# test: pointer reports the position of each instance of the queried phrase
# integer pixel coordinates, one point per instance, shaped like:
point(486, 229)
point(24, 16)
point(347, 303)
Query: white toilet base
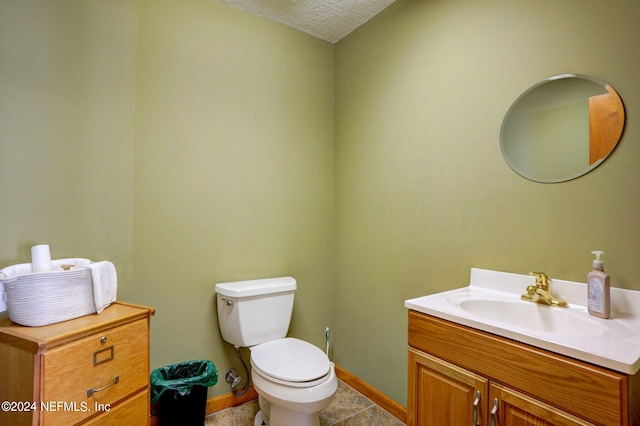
point(281, 416)
point(290, 417)
point(299, 419)
point(260, 420)
point(283, 405)
point(278, 415)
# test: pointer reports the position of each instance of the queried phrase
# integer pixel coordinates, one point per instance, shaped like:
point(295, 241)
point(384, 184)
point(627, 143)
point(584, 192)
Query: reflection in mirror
point(562, 128)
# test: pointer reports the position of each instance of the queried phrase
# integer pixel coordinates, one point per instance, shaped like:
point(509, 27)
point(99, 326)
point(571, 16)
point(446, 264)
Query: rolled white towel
point(105, 283)
point(15, 271)
point(3, 298)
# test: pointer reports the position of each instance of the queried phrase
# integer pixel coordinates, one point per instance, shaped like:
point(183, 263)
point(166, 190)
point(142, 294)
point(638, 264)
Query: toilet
point(294, 379)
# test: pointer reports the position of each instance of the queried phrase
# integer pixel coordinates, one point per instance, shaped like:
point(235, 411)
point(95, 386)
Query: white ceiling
point(329, 20)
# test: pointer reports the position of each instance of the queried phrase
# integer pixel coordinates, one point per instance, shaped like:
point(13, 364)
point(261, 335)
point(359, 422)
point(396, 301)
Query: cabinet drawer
point(100, 369)
point(134, 411)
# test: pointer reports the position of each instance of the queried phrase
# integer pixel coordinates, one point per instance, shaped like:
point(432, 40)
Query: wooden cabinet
point(510, 407)
point(441, 390)
point(127, 413)
point(90, 370)
point(446, 391)
point(462, 376)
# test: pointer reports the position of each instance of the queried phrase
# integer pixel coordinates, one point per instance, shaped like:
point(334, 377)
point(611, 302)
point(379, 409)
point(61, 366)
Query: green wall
point(233, 171)
point(67, 100)
point(422, 191)
point(192, 143)
point(187, 141)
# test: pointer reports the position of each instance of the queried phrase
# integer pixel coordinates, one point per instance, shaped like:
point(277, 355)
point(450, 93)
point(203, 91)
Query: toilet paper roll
point(40, 258)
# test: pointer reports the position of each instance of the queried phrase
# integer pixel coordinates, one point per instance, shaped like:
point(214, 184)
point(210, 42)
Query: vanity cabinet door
point(508, 407)
point(442, 393)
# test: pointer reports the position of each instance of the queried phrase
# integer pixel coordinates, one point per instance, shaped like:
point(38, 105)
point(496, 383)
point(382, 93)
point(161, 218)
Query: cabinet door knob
point(103, 339)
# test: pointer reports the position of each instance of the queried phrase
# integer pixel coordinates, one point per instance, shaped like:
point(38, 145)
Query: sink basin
point(491, 303)
point(534, 316)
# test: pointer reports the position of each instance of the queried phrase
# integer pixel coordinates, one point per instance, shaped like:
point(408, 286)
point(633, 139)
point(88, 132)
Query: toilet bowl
point(295, 381)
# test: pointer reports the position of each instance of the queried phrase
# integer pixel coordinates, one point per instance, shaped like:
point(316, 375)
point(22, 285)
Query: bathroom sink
point(492, 303)
point(534, 316)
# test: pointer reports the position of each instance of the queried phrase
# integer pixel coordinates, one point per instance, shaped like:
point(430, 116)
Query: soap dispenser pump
point(598, 288)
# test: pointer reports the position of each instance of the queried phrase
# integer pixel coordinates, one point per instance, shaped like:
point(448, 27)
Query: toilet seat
point(291, 362)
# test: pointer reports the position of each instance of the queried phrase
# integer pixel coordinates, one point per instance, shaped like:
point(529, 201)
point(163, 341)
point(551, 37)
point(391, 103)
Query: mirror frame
point(606, 120)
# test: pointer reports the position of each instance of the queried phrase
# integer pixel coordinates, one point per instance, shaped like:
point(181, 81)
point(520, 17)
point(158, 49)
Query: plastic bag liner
point(182, 377)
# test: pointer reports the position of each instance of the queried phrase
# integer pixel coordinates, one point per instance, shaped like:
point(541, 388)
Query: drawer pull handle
point(494, 412)
point(476, 402)
point(113, 382)
point(103, 339)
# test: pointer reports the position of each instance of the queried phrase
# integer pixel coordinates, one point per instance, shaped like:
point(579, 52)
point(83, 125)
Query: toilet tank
point(255, 311)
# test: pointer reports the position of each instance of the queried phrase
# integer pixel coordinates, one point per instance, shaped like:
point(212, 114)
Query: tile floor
point(348, 408)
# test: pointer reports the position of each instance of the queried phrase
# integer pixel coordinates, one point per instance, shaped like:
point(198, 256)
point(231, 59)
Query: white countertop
point(612, 343)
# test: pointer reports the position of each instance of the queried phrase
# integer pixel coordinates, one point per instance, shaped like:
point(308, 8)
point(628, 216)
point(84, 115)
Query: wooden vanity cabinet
point(451, 367)
point(92, 370)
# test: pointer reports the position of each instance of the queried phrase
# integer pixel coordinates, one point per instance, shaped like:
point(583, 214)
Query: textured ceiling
point(328, 20)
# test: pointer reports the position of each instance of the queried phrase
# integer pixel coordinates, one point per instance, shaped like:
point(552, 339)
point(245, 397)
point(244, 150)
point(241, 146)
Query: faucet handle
point(542, 279)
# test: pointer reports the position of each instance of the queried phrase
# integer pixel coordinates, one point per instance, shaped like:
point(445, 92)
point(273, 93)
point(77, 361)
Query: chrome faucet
point(541, 292)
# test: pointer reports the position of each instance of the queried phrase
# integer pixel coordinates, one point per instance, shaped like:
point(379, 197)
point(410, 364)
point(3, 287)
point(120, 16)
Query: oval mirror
point(562, 128)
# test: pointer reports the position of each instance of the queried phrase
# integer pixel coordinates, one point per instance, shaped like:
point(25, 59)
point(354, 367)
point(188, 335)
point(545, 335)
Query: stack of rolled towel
point(103, 275)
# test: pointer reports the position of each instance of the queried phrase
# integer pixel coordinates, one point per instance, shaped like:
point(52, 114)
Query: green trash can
point(180, 390)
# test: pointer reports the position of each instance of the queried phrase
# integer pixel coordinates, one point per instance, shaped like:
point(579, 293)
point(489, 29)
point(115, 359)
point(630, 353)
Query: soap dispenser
point(598, 289)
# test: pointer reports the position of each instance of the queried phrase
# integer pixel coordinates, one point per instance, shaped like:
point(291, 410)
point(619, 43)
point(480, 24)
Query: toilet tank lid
point(258, 287)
